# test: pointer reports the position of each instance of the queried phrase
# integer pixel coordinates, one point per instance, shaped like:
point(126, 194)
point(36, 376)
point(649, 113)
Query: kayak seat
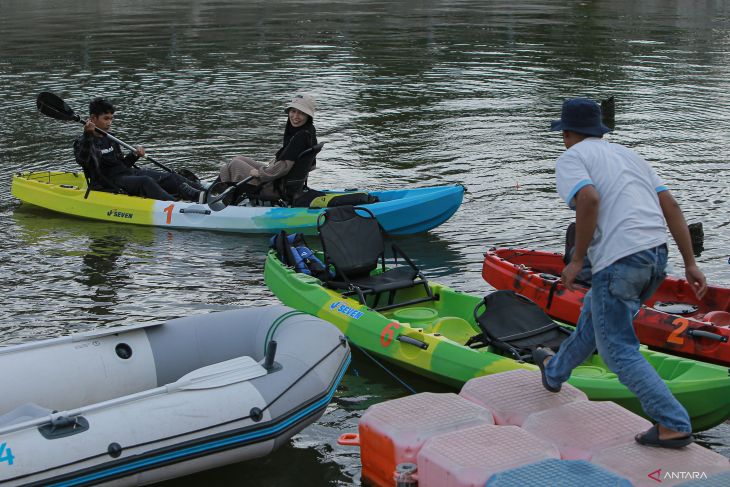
point(717, 318)
point(293, 184)
point(24, 412)
point(516, 325)
point(353, 245)
point(96, 181)
point(569, 243)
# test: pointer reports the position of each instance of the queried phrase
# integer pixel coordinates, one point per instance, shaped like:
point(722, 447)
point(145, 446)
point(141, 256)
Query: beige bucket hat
point(303, 102)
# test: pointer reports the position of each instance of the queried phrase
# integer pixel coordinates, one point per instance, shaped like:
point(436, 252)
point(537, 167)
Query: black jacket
point(297, 140)
point(102, 155)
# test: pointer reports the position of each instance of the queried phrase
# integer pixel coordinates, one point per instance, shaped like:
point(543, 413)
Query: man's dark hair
point(100, 106)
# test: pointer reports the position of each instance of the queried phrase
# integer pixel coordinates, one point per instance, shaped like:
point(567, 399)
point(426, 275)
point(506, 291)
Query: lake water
point(409, 93)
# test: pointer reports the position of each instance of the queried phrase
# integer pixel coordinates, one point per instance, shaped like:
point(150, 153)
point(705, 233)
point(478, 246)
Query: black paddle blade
point(189, 175)
point(608, 112)
point(213, 196)
point(53, 106)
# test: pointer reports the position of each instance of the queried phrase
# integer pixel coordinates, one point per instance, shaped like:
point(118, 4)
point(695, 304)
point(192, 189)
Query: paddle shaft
point(83, 410)
point(53, 106)
point(180, 385)
point(229, 190)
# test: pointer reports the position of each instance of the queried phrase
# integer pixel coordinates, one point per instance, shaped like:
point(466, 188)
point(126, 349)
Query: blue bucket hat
point(581, 115)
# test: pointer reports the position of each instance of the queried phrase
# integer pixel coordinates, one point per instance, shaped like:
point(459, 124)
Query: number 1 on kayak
point(168, 210)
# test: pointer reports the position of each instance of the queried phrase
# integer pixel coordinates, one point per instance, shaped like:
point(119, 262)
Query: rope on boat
point(339, 345)
point(392, 374)
point(278, 321)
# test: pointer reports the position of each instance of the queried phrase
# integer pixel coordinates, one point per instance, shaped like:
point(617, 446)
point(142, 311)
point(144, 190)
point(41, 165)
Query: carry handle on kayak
point(413, 341)
point(694, 332)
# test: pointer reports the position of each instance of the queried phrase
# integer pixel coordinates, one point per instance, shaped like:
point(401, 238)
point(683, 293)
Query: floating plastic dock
point(505, 430)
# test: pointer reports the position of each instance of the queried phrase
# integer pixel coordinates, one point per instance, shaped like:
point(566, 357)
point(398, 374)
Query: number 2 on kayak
point(675, 337)
point(168, 210)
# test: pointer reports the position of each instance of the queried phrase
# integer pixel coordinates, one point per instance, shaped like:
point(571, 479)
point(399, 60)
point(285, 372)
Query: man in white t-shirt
point(622, 211)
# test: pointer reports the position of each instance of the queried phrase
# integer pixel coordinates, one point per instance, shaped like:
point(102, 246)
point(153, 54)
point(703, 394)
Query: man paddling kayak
point(108, 167)
point(622, 212)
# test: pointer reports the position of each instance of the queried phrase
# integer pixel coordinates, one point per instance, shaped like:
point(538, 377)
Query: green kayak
point(428, 338)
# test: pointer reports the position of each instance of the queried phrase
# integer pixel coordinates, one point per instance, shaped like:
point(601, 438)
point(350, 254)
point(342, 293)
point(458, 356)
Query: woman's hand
point(139, 151)
point(254, 173)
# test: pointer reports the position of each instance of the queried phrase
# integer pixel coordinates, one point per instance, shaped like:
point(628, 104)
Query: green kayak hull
point(428, 338)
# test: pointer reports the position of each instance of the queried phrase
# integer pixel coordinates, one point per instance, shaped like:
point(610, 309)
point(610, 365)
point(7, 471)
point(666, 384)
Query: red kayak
point(673, 320)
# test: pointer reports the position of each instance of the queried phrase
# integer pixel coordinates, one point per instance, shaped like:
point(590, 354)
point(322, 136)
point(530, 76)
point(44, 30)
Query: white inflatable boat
point(141, 404)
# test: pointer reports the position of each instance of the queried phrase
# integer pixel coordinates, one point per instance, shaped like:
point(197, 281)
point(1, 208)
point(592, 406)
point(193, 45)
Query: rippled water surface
point(409, 94)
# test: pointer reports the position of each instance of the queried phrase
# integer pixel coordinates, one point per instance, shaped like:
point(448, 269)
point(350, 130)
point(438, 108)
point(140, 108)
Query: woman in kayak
point(299, 135)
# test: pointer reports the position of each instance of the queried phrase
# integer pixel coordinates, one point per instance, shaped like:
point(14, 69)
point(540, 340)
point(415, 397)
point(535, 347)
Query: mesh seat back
point(569, 243)
point(352, 243)
point(95, 179)
point(293, 183)
point(512, 319)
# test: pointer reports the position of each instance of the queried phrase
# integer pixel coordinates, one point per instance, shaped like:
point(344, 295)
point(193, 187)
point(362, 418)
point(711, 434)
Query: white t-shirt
point(630, 218)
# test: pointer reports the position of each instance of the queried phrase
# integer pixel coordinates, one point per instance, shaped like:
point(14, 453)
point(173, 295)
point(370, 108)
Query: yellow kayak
point(400, 212)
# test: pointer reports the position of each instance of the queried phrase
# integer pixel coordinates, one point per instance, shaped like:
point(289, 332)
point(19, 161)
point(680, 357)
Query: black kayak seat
point(514, 324)
point(96, 181)
point(293, 183)
point(353, 244)
point(569, 243)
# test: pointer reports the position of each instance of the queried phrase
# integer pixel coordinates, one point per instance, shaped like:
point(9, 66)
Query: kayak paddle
point(217, 202)
point(213, 376)
point(54, 107)
point(608, 112)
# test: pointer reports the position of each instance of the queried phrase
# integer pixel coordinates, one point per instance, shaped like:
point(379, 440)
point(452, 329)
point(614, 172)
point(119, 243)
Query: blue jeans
point(606, 323)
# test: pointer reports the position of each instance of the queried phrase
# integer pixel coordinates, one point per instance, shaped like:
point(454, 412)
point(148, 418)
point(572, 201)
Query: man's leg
point(175, 184)
point(143, 186)
point(575, 349)
point(172, 183)
point(175, 180)
point(238, 169)
point(616, 298)
point(165, 180)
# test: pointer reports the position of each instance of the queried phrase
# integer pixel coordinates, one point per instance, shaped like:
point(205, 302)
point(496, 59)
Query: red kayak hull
point(535, 274)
